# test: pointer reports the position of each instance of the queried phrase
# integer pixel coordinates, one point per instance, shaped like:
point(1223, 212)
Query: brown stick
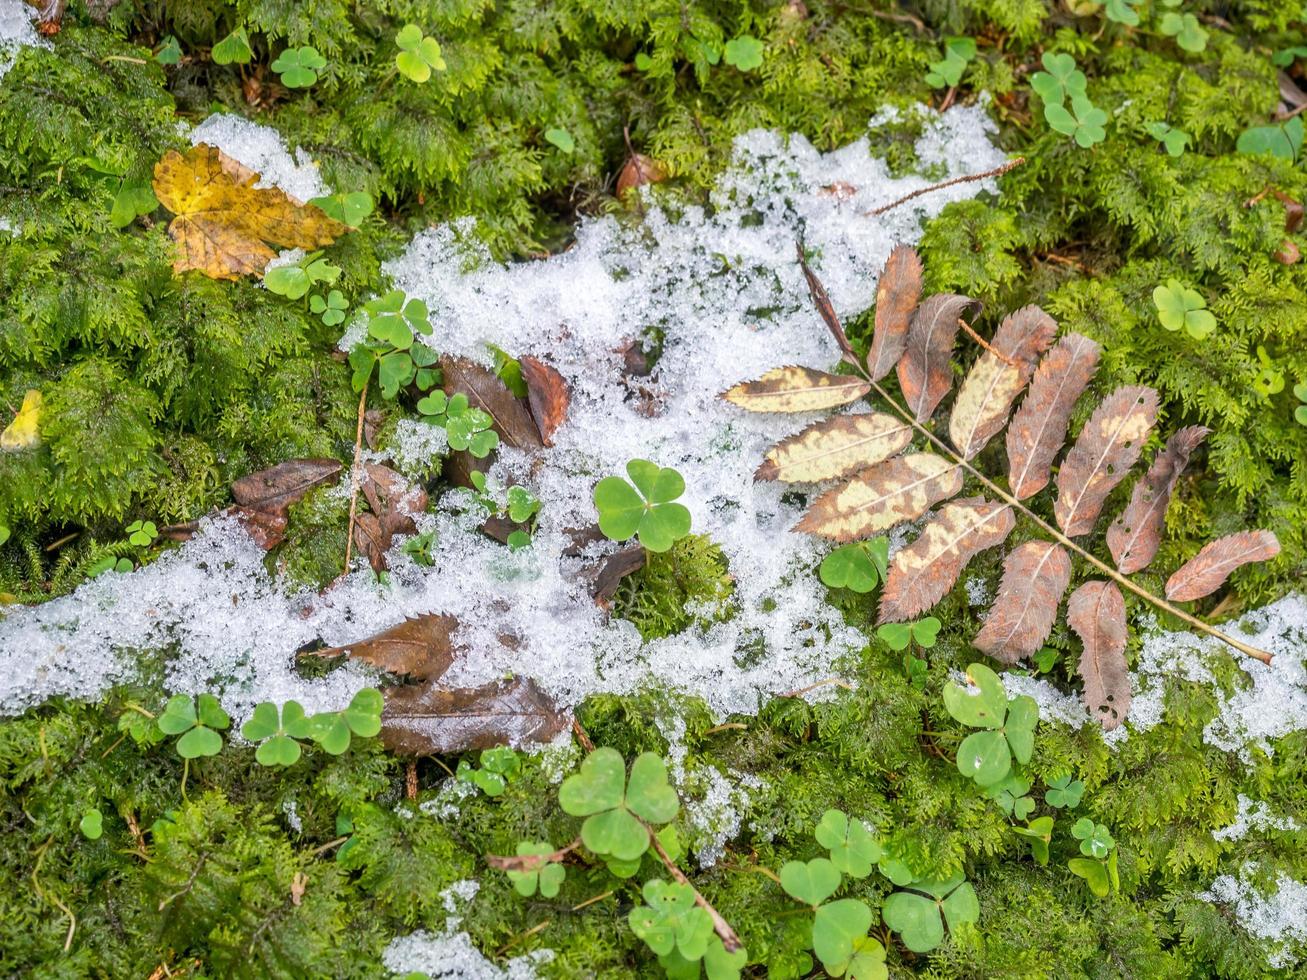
point(971, 332)
point(996, 172)
point(530, 862)
point(354, 477)
point(582, 736)
point(720, 926)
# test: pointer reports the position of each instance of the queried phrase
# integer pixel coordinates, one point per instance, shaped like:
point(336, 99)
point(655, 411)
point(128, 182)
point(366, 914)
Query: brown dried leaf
point(273, 490)
point(427, 720)
point(834, 447)
point(796, 389)
point(266, 528)
point(1096, 612)
point(1035, 575)
point(1103, 453)
point(612, 569)
point(639, 170)
point(925, 570)
point(897, 294)
point(925, 371)
point(1136, 534)
point(1207, 571)
point(393, 501)
point(547, 395)
point(981, 408)
point(826, 308)
point(420, 648)
point(1039, 426)
point(887, 494)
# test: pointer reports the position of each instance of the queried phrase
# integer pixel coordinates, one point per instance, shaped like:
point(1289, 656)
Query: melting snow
point(453, 956)
point(262, 149)
point(17, 31)
point(1253, 815)
point(1279, 919)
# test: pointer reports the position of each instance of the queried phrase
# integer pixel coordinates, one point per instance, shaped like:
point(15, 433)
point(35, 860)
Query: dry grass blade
point(925, 371)
point(1035, 575)
point(981, 408)
point(1039, 427)
point(834, 447)
point(1101, 458)
point(897, 295)
point(420, 648)
point(1207, 571)
point(427, 720)
point(877, 499)
point(796, 389)
point(1136, 534)
point(921, 573)
point(1096, 612)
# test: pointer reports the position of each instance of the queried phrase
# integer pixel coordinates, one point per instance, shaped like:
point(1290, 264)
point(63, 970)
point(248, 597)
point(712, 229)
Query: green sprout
point(293, 281)
point(232, 49)
point(276, 732)
point(645, 510)
point(392, 348)
point(1045, 659)
point(1099, 865)
point(419, 55)
point(1283, 140)
point(1175, 140)
point(1299, 413)
point(547, 878)
point(1186, 30)
point(1010, 794)
point(332, 730)
point(421, 548)
point(497, 766)
point(142, 533)
point(947, 73)
point(522, 504)
point(618, 812)
point(743, 53)
point(92, 824)
point(1084, 121)
point(347, 207)
point(109, 563)
point(198, 721)
point(859, 566)
point(562, 139)
point(1095, 839)
point(1122, 12)
point(330, 308)
point(897, 636)
point(920, 914)
point(1060, 80)
point(169, 51)
point(853, 848)
point(1064, 792)
point(1040, 833)
point(1287, 56)
point(1008, 726)
point(837, 925)
point(299, 67)
point(1179, 307)
point(1270, 379)
point(134, 198)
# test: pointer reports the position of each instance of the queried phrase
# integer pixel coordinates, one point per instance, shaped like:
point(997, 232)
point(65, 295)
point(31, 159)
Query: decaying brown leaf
point(273, 490)
point(834, 447)
point(921, 573)
point(1103, 453)
point(222, 221)
point(981, 407)
point(796, 389)
point(638, 171)
point(1136, 534)
point(925, 374)
point(548, 396)
point(1096, 612)
point(612, 569)
point(1207, 571)
point(1039, 426)
point(897, 294)
point(427, 720)
point(821, 300)
point(509, 414)
point(897, 490)
point(393, 502)
point(421, 648)
point(1035, 575)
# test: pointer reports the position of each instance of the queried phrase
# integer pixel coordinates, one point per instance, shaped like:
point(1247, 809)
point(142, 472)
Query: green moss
point(677, 589)
point(314, 551)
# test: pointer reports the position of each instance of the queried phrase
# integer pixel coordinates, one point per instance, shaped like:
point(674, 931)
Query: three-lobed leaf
point(643, 507)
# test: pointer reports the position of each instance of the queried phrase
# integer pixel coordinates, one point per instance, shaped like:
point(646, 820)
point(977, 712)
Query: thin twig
point(723, 928)
point(530, 862)
point(56, 545)
point(323, 849)
point(591, 901)
point(526, 935)
point(726, 726)
point(996, 172)
point(53, 898)
point(812, 687)
point(354, 477)
point(971, 332)
point(582, 736)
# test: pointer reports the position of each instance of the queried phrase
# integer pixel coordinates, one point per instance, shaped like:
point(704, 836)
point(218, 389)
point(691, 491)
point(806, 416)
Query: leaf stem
point(354, 476)
point(720, 926)
point(968, 178)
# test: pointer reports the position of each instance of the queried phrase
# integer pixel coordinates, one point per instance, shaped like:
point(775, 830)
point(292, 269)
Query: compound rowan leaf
point(925, 374)
point(925, 570)
point(1207, 571)
point(428, 720)
point(887, 494)
point(1136, 534)
point(1103, 453)
point(1039, 426)
point(897, 294)
point(1035, 575)
point(1096, 612)
point(222, 223)
point(421, 648)
point(834, 447)
point(983, 402)
point(796, 389)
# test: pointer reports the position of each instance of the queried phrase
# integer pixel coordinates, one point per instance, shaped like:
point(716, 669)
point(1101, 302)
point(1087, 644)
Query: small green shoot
point(644, 507)
point(1098, 866)
point(233, 49)
point(618, 812)
point(498, 765)
point(142, 534)
point(109, 563)
point(1287, 56)
point(1008, 727)
point(522, 504)
point(1270, 379)
point(1179, 307)
point(198, 721)
point(294, 281)
point(562, 139)
point(743, 53)
point(92, 824)
point(467, 428)
point(330, 308)
point(1039, 832)
point(1045, 660)
point(1095, 839)
point(419, 55)
point(169, 51)
point(920, 914)
point(299, 67)
point(546, 878)
point(1300, 392)
point(1010, 794)
point(1188, 33)
point(897, 636)
point(392, 348)
point(348, 207)
point(859, 566)
point(1175, 140)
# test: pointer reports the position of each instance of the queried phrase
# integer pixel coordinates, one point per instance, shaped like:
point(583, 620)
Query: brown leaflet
point(1096, 612)
point(509, 414)
point(547, 395)
point(1136, 534)
point(1035, 575)
point(1039, 426)
point(878, 498)
point(826, 308)
point(426, 720)
point(897, 294)
point(420, 648)
point(273, 490)
point(612, 569)
point(266, 528)
point(834, 447)
point(393, 502)
point(1207, 571)
point(638, 171)
point(796, 389)
point(925, 371)
point(1101, 458)
point(981, 407)
point(925, 570)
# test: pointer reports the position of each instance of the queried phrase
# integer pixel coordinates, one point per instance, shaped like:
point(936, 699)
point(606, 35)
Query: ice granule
point(1053, 704)
point(444, 804)
point(453, 956)
point(457, 897)
point(1253, 815)
point(1280, 920)
point(262, 149)
point(978, 591)
point(290, 810)
point(414, 445)
point(17, 31)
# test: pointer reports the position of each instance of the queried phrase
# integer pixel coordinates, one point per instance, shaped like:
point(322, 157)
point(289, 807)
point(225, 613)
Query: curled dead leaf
point(1035, 575)
point(638, 171)
point(428, 720)
point(393, 503)
point(1207, 571)
point(834, 447)
point(420, 648)
point(273, 490)
point(887, 494)
point(548, 396)
point(1096, 612)
point(796, 389)
point(1136, 534)
point(826, 309)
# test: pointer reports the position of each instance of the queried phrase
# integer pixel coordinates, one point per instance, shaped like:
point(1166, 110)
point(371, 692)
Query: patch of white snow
point(17, 31)
point(262, 149)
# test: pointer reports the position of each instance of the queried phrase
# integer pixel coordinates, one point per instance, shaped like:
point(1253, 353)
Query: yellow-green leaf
point(796, 389)
point(877, 499)
point(25, 430)
point(834, 447)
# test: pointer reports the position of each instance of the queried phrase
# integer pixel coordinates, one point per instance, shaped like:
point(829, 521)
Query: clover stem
point(354, 476)
point(186, 771)
point(720, 926)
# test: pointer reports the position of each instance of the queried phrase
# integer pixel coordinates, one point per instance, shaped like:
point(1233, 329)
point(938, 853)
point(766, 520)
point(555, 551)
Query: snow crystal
point(722, 287)
point(453, 956)
point(1053, 704)
point(262, 149)
point(978, 591)
point(456, 898)
point(414, 445)
point(1253, 815)
point(1280, 919)
point(444, 804)
point(290, 810)
point(17, 31)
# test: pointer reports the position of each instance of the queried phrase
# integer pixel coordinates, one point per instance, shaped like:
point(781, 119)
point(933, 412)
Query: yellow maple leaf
point(24, 431)
point(223, 222)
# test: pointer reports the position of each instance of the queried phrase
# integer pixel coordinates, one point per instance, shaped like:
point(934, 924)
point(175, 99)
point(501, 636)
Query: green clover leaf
point(866, 961)
point(290, 281)
point(1094, 872)
point(92, 824)
point(836, 927)
point(859, 566)
point(644, 510)
point(232, 49)
point(141, 533)
point(4, 534)
point(617, 811)
point(1064, 792)
point(331, 308)
point(811, 882)
point(721, 965)
point(547, 877)
point(1060, 80)
point(1270, 379)
point(1044, 660)
point(986, 756)
point(897, 636)
point(1283, 140)
point(1178, 307)
point(134, 198)
point(197, 721)
point(1175, 140)
point(1084, 121)
point(1039, 832)
point(853, 848)
point(332, 730)
point(466, 427)
point(743, 53)
point(522, 504)
point(982, 703)
point(276, 733)
point(561, 138)
point(1299, 413)
point(299, 67)
point(1010, 794)
point(1186, 30)
point(919, 915)
point(671, 921)
point(394, 371)
point(170, 51)
point(419, 55)
point(108, 564)
point(1122, 12)
point(1287, 56)
point(349, 208)
point(1095, 839)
